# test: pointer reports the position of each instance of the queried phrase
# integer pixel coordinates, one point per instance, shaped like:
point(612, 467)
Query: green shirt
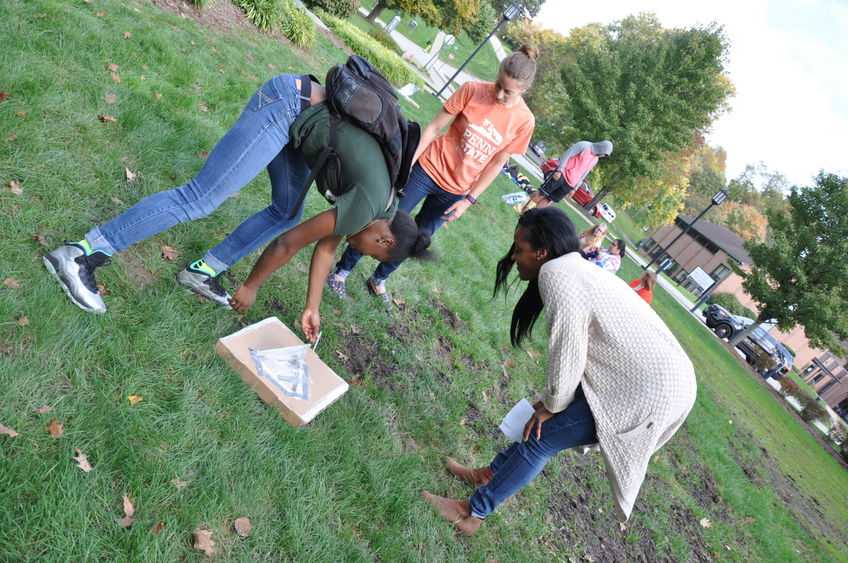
point(365, 179)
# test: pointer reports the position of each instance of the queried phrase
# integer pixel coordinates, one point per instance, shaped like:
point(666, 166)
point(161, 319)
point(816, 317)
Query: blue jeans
point(258, 140)
point(436, 201)
point(522, 461)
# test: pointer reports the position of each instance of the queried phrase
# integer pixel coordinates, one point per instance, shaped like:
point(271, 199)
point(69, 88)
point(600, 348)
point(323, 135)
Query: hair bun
point(420, 248)
point(531, 51)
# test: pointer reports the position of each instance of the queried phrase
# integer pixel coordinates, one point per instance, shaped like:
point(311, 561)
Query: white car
point(605, 211)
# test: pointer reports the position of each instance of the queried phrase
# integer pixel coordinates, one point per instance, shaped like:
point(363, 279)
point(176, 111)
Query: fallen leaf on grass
point(23, 321)
point(178, 483)
point(43, 409)
point(12, 283)
point(129, 507)
point(116, 77)
point(235, 195)
point(113, 67)
point(4, 96)
point(110, 98)
point(129, 175)
point(118, 201)
point(142, 77)
point(157, 95)
point(41, 238)
point(748, 520)
point(730, 422)
point(15, 186)
point(106, 118)
point(8, 431)
point(157, 528)
point(169, 253)
point(134, 399)
point(20, 114)
point(622, 526)
point(102, 289)
point(54, 428)
point(11, 138)
point(126, 521)
point(243, 526)
point(82, 461)
point(399, 302)
point(203, 542)
point(705, 523)
point(270, 65)
point(101, 14)
point(127, 34)
point(337, 311)
point(204, 154)
point(203, 106)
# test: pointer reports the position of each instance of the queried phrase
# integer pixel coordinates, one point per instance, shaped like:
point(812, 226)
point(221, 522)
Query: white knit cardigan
point(638, 381)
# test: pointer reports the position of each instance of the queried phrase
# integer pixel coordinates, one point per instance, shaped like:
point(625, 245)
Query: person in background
point(644, 286)
point(592, 237)
point(282, 129)
point(616, 376)
point(488, 122)
point(608, 259)
point(573, 167)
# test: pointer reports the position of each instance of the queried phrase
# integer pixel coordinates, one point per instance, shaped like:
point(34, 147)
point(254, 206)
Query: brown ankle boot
point(477, 477)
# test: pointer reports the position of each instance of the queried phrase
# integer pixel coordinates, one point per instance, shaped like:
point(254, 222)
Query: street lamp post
point(511, 11)
point(718, 199)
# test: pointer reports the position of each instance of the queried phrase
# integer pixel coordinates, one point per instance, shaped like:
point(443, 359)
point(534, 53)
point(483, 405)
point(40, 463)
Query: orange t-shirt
point(481, 129)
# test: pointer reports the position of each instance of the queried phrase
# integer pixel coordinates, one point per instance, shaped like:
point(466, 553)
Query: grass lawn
point(744, 480)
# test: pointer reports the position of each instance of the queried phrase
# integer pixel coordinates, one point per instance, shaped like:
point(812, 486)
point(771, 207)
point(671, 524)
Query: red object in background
point(549, 165)
point(583, 195)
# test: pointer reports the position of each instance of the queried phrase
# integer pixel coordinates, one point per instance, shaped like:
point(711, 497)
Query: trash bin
point(412, 24)
point(393, 23)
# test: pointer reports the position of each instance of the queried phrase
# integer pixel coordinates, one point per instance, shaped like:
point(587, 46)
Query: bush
point(788, 387)
point(297, 25)
point(392, 67)
point(264, 14)
point(732, 304)
point(340, 8)
point(384, 39)
point(813, 410)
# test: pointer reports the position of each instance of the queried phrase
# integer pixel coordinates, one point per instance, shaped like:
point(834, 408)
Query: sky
point(788, 60)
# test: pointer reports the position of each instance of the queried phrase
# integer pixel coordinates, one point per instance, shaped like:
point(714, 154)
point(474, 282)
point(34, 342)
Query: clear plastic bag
point(286, 368)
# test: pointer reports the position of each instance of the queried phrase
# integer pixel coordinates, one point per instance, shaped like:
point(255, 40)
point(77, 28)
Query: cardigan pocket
point(637, 430)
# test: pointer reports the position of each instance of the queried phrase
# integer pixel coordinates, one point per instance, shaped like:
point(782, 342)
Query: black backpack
point(358, 93)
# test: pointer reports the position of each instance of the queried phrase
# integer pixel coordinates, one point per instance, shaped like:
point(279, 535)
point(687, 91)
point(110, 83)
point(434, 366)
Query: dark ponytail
point(546, 228)
point(410, 241)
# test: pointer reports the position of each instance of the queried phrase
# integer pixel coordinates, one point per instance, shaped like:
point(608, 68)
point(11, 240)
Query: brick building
point(828, 375)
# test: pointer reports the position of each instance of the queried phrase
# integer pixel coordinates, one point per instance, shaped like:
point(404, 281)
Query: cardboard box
point(324, 385)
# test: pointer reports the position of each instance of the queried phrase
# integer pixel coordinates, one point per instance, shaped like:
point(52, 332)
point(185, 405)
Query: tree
point(532, 6)
point(452, 16)
point(486, 21)
point(652, 91)
point(799, 276)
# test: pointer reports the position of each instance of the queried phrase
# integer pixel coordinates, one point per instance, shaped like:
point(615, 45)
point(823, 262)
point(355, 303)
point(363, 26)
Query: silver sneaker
point(206, 285)
point(74, 270)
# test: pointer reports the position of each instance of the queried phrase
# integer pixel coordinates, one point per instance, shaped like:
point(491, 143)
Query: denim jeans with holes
point(519, 464)
point(257, 141)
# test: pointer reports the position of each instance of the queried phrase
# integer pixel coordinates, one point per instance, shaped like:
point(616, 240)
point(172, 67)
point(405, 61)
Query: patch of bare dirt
point(361, 357)
point(449, 317)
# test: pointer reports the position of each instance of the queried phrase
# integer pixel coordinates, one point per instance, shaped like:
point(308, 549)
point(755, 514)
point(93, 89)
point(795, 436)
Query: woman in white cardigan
point(616, 376)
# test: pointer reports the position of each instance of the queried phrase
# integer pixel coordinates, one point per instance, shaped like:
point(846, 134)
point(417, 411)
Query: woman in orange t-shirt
point(488, 122)
point(644, 285)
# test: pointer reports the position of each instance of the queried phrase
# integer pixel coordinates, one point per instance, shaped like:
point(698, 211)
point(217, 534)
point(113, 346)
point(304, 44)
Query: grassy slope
point(345, 488)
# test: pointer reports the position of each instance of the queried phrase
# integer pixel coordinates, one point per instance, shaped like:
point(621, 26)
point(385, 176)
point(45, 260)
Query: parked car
point(721, 321)
point(605, 211)
point(539, 149)
point(583, 194)
point(759, 348)
point(785, 365)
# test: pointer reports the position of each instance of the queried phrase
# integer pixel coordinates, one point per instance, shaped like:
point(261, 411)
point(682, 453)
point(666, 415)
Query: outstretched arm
point(431, 131)
point(486, 177)
point(279, 252)
point(322, 263)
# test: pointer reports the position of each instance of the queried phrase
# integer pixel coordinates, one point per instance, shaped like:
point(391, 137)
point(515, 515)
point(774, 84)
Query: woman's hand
point(456, 210)
point(243, 298)
point(310, 323)
point(539, 417)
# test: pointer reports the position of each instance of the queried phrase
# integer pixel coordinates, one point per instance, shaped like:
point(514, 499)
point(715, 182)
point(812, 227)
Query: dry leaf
point(213, 49)
point(4, 96)
point(54, 428)
point(243, 526)
point(129, 507)
point(8, 431)
point(748, 520)
point(20, 114)
point(118, 201)
point(204, 154)
point(129, 175)
point(82, 461)
point(622, 526)
point(169, 253)
point(41, 238)
point(142, 77)
point(235, 195)
point(127, 34)
point(111, 98)
point(11, 138)
point(177, 483)
point(15, 186)
point(126, 521)
point(337, 311)
point(508, 363)
point(399, 302)
point(157, 95)
point(113, 67)
point(705, 522)
point(23, 321)
point(356, 330)
point(157, 528)
point(11, 282)
point(43, 409)
point(106, 118)
point(730, 422)
point(272, 65)
point(101, 14)
point(203, 106)
point(115, 78)
point(134, 399)
point(102, 289)
point(222, 70)
point(203, 542)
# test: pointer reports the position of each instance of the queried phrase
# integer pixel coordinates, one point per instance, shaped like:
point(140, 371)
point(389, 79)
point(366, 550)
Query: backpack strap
point(318, 165)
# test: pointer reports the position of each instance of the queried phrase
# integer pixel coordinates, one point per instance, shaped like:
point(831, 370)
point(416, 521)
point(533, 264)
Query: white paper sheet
point(515, 420)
